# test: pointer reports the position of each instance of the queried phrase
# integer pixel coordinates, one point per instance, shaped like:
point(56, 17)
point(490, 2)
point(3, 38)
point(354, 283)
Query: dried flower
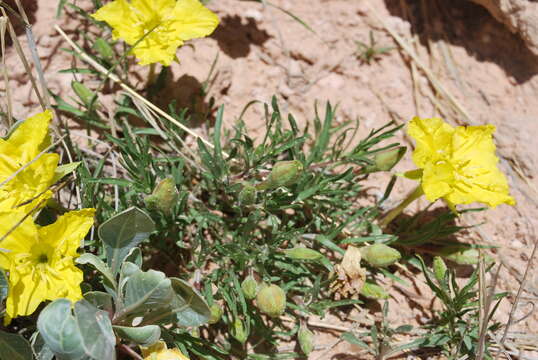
point(350, 276)
point(156, 28)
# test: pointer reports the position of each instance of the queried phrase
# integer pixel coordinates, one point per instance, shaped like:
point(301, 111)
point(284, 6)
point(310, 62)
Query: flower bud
point(103, 48)
point(284, 173)
point(302, 253)
point(439, 268)
point(247, 195)
point(373, 291)
point(164, 197)
point(83, 93)
point(462, 255)
point(216, 313)
point(386, 160)
point(271, 300)
point(380, 255)
point(239, 332)
point(250, 287)
point(306, 339)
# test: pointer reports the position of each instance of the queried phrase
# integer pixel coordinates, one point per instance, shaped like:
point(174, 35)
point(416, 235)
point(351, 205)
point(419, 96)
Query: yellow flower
point(156, 28)
point(159, 351)
point(458, 164)
point(26, 142)
point(40, 259)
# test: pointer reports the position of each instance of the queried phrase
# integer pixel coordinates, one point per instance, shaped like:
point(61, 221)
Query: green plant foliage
point(143, 335)
point(122, 233)
point(14, 347)
point(85, 333)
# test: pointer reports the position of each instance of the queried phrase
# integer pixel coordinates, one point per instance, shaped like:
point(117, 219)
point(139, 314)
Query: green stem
point(415, 194)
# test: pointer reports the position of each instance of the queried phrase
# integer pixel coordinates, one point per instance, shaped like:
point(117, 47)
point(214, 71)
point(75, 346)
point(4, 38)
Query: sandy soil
point(262, 51)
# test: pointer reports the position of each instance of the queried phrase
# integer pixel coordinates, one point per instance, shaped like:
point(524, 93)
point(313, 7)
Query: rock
point(520, 16)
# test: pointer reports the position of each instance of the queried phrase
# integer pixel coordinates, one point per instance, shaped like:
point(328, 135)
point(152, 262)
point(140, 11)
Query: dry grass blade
point(433, 79)
point(518, 297)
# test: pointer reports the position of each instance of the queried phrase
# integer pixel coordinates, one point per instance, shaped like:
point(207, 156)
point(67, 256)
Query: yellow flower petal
point(156, 28)
point(433, 137)
point(40, 260)
point(28, 139)
point(193, 20)
point(67, 233)
point(459, 165)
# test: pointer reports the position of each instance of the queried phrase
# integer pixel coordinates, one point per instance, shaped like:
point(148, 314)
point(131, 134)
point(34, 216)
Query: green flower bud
point(239, 332)
point(302, 253)
point(250, 287)
point(385, 161)
point(373, 291)
point(284, 173)
point(247, 195)
point(464, 257)
point(380, 255)
point(216, 313)
point(83, 93)
point(306, 339)
point(103, 48)
point(439, 268)
point(163, 197)
point(271, 300)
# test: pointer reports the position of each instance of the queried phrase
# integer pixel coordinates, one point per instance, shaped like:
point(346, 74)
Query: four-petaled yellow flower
point(24, 145)
point(40, 260)
point(156, 28)
point(457, 164)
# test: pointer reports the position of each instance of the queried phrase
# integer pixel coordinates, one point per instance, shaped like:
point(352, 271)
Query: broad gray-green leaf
point(41, 350)
point(143, 335)
point(145, 291)
point(128, 269)
point(100, 300)
point(123, 232)
point(85, 334)
point(4, 285)
point(14, 347)
point(100, 266)
point(187, 309)
point(135, 256)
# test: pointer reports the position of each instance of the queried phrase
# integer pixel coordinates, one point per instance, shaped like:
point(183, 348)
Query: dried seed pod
point(380, 255)
point(271, 300)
